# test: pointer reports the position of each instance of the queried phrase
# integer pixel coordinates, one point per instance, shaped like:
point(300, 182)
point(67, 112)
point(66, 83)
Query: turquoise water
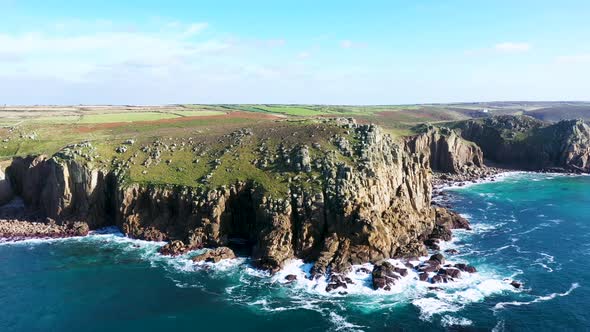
point(529, 227)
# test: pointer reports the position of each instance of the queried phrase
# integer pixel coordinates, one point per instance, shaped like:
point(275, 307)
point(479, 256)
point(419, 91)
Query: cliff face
point(447, 151)
point(376, 207)
point(63, 190)
point(527, 143)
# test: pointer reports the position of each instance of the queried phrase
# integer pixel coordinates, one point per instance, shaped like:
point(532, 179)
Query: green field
point(125, 117)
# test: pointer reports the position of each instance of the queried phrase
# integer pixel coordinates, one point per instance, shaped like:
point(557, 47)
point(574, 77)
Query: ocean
point(533, 228)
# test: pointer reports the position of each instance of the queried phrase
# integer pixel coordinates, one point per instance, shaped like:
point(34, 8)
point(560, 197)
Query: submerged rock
point(291, 277)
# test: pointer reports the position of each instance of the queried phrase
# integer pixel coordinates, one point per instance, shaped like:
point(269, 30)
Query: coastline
point(431, 270)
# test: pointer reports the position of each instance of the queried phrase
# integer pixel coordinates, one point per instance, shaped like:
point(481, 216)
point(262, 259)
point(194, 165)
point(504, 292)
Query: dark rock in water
point(152, 234)
point(334, 285)
point(438, 257)
point(215, 255)
point(363, 270)
point(461, 266)
point(410, 266)
point(432, 244)
point(470, 269)
point(465, 268)
point(174, 248)
point(437, 279)
point(401, 272)
point(451, 251)
point(291, 277)
point(516, 284)
point(453, 273)
point(384, 276)
point(440, 232)
point(349, 281)
point(429, 266)
point(450, 219)
point(435, 288)
point(423, 276)
point(342, 293)
point(336, 281)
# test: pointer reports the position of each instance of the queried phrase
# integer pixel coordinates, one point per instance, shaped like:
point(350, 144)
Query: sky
point(292, 52)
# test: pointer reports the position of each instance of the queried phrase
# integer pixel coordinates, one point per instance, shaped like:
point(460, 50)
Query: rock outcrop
point(527, 143)
point(14, 230)
point(372, 207)
point(64, 189)
point(447, 151)
point(6, 192)
point(215, 255)
point(445, 221)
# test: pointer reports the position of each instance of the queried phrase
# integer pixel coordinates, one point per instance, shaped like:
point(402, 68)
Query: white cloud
point(351, 44)
point(72, 56)
point(574, 59)
point(346, 44)
point(512, 47)
point(303, 55)
point(195, 29)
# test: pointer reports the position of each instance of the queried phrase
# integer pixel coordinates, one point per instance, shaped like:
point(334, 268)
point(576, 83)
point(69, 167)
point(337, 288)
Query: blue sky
point(326, 52)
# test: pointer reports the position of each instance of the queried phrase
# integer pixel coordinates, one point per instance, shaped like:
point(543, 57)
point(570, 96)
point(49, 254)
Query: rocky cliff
point(447, 151)
point(371, 204)
point(527, 143)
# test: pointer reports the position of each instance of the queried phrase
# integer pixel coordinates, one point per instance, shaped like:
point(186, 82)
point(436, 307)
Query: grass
point(125, 117)
point(199, 113)
point(291, 110)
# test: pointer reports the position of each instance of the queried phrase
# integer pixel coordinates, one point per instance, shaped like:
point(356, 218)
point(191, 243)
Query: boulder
point(215, 255)
point(438, 279)
point(336, 281)
point(385, 275)
point(451, 272)
point(438, 258)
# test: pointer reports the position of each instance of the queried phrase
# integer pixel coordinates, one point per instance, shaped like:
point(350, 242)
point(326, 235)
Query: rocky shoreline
point(17, 230)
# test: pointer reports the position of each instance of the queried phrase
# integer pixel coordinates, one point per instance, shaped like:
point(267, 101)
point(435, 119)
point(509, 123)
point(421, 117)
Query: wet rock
point(423, 276)
point(429, 266)
point(438, 279)
point(450, 272)
point(438, 258)
point(452, 251)
point(173, 248)
point(215, 255)
point(401, 272)
point(290, 277)
point(363, 270)
point(384, 276)
point(336, 281)
point(515, 284)
point(465, 268)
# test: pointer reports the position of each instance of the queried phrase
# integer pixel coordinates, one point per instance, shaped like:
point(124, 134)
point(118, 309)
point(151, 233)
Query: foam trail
point(448, 321)
point(341, 324)
point(549, 297)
